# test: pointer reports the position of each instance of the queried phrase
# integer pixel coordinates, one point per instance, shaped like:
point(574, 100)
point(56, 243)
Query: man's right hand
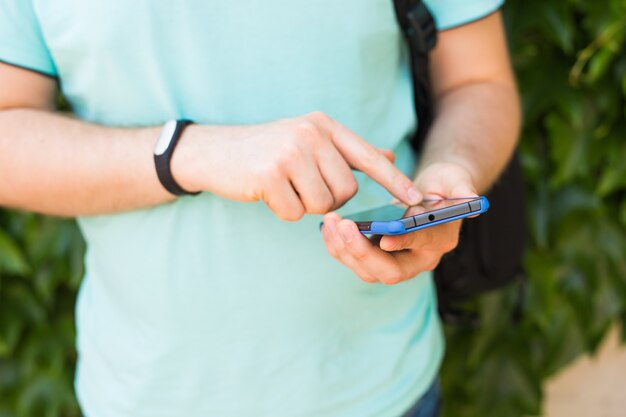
point(296, 166)
point(54, 164)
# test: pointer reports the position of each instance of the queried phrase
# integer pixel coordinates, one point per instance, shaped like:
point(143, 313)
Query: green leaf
point(4, 348)
point(11, 258)
point(599, 64)
point(624, 92)
point(559, 24)
point(622, 214)
point(614, 176)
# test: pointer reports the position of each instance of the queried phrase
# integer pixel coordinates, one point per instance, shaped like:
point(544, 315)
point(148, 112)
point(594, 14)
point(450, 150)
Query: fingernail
point(346, 234)
point(414, 196)
point(330, 225)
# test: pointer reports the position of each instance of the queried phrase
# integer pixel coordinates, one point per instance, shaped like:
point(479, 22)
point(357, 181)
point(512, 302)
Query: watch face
point(164, 139)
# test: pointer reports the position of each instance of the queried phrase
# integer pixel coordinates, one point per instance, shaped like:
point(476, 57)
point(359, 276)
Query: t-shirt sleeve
point(451, 13)
point(21, 40)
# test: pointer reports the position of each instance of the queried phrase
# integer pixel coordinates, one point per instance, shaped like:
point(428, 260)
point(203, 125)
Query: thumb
point(463, 189)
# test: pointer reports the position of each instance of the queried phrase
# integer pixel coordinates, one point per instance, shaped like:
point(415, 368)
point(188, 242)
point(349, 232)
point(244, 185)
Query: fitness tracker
point(163, 151)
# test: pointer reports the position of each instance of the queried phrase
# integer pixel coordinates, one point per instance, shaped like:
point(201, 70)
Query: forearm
point(477, 127)
point(53, 164)
point(56, 165)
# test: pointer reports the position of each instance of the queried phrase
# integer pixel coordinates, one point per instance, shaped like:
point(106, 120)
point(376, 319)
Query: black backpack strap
point(418, 27)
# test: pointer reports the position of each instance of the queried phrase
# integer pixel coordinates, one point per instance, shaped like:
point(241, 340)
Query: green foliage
point(571, 64)
point(570, 59)
point(40, 269)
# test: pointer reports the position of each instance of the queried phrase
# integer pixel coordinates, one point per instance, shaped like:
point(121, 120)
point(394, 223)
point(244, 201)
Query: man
point(214, 305)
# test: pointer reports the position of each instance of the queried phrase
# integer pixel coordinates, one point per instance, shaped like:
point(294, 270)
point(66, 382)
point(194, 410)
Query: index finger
point(366, 158)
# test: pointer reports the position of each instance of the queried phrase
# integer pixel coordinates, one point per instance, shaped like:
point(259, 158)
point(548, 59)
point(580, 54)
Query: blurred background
point(570, 59)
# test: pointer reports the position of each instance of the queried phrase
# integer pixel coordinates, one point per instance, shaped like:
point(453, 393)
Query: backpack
point(491, 247)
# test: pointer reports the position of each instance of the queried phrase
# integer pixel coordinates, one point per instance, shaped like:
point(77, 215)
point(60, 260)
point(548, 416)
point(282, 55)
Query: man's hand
point(399, 258)
point(296, 166)
point(474, 132)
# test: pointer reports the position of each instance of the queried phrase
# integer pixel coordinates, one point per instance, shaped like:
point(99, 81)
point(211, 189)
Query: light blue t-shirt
point(208, 307)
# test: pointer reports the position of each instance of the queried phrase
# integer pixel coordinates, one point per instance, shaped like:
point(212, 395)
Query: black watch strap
point(163, 152)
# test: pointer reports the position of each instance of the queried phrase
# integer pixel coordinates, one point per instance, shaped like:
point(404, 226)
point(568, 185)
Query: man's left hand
point(395, 259)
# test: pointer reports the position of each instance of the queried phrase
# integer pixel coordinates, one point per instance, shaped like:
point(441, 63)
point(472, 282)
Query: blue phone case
point(411, 224)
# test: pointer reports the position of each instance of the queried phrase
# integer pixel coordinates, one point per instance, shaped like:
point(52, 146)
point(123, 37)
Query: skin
point(475, 131)
point(53, 164)
point(57, 165)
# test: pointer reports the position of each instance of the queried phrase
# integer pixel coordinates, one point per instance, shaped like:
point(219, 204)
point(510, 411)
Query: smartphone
point(398, 219)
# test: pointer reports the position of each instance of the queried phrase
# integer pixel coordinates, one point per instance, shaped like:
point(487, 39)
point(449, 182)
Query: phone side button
point(408, 223)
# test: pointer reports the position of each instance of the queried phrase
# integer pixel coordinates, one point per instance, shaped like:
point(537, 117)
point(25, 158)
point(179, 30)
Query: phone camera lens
point(431, 217)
